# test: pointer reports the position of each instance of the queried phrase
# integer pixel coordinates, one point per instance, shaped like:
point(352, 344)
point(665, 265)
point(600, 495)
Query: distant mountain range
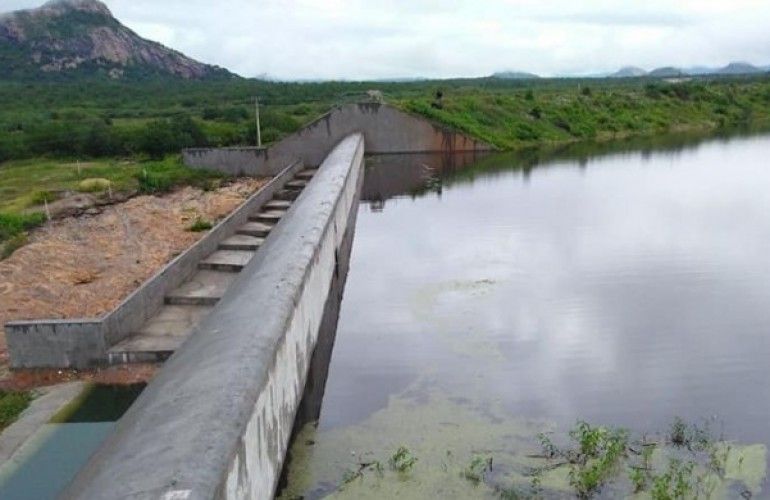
point(734, 68)
point(74, 38)
point(514, 75)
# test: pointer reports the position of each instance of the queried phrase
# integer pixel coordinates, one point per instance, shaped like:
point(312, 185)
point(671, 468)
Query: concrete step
point(268, 216)
point(277, 205)
point(296, 184)
point(241, 242)
point(256, 229)
point(226, 260)
point(287, 194)
point(160, 336)
point(203, 289)
point(307, 174)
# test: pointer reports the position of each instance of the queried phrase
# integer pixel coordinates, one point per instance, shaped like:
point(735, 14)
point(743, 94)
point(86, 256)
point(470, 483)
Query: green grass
point(516, 119)
point(13, 231)
point(200, 225)
point(11, 406)
point(24, 183)
point(14, 224)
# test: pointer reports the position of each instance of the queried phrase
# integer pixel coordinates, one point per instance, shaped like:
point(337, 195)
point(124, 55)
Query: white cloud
point(365, 39)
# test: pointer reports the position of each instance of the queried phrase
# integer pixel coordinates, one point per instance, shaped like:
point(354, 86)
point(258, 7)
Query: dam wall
point(216, 420)
point(386, 130)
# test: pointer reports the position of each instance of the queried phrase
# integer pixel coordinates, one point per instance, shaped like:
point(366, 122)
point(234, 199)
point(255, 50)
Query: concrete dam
point(265, 284)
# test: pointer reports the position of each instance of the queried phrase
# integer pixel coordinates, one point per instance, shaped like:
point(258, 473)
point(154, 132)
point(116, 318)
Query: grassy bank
point(26, 185)
point(528, 117)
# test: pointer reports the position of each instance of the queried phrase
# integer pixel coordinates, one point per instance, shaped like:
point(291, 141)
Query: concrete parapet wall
point(84, 343)
point(216, 420)
point(386, 130)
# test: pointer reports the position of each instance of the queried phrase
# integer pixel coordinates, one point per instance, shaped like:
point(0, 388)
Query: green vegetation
point(14, 224)
point(11, 406)
point(477, 468)
point(512, 119)
point(690, 462)
point(597, 457)
point(402, 460)
point(200, 225)
point(13, 231)
point(91, 119)
point(26, 183)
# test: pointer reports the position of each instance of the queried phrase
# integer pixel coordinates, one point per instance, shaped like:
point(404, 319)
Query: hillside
point(67, 39)
point(628, 72)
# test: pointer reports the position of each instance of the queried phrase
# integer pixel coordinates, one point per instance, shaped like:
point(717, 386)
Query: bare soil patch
point(82, 267)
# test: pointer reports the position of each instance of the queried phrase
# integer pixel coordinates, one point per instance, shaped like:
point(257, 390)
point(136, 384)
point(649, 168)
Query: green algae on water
point(448, 437)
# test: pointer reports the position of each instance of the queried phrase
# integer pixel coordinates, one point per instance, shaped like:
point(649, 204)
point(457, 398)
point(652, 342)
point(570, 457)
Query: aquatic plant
point(675, 482)
point(597, 457)
point(402, 460)
point(477, 469)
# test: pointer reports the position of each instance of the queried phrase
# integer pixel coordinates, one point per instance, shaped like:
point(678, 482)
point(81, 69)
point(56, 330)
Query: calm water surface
point(623, 289)
point(50, 458)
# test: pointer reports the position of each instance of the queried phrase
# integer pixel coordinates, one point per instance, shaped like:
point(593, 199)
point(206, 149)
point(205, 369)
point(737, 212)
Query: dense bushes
point(167, 136)
point(96, 138)
point(98, 119)
point(570, 112)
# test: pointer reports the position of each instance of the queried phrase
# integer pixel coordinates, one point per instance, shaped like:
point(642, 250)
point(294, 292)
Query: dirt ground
point(82, 267)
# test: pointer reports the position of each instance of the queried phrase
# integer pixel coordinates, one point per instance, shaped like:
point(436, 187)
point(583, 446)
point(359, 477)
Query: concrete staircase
point(186, 306)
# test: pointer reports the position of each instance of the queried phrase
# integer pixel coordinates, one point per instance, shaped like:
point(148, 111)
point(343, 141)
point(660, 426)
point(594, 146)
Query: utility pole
point(259, 133)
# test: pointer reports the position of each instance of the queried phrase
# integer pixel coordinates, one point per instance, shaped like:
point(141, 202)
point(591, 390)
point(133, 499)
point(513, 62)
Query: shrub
point(154, 182)
point(40, 197)
point(200, 225)
point(235, 114)
point(94, 185)
point(169, 136)
point(14, 224)
point(210, 113)
point(11, 406)
point(402, 460)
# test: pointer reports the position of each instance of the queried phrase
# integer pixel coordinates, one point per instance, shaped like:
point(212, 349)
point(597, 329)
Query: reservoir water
point(488, 301)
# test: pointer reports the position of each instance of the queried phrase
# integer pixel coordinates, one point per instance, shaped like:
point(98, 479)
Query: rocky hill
point(65, 39)
point(628, 72)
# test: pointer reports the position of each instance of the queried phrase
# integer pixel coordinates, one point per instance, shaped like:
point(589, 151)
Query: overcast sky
point(365, 39)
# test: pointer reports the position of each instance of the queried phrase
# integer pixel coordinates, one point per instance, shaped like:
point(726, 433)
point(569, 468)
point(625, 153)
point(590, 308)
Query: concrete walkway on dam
point(187, 305)
point(216, 420)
